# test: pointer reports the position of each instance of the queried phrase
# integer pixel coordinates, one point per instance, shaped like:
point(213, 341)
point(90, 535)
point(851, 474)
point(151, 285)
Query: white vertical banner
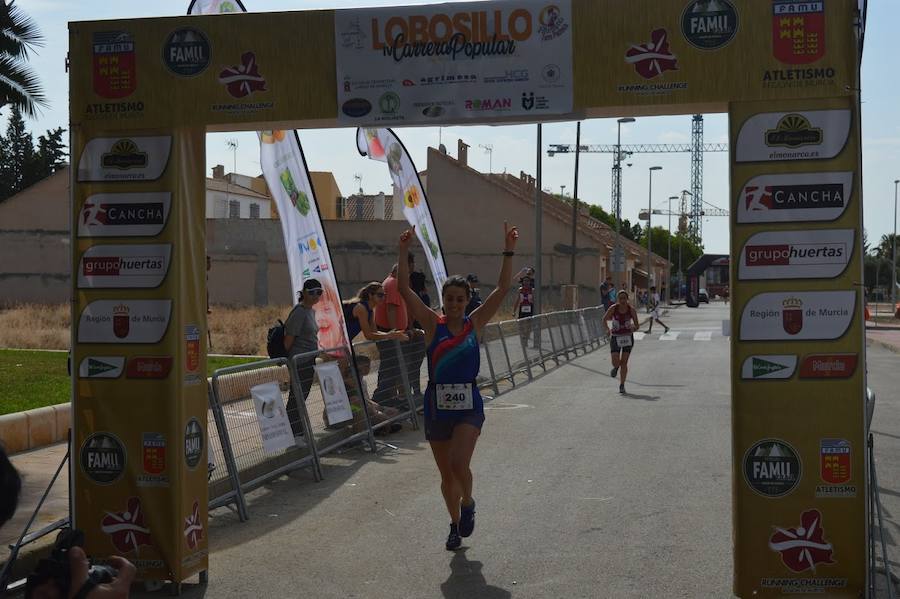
point(384, 145)
point(287, 176)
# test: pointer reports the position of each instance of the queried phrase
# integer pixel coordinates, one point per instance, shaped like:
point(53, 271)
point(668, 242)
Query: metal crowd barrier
point(384, 386)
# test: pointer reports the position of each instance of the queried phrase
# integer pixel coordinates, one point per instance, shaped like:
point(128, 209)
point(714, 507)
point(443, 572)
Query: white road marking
point(703, 336)
point(670, 336)
point(639, 336)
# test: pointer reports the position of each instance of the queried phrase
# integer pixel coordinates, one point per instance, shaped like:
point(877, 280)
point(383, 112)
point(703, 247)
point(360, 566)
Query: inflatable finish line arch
point(145, 91)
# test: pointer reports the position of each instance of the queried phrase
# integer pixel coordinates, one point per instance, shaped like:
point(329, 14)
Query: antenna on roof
point(358, 178)
point(233, 144)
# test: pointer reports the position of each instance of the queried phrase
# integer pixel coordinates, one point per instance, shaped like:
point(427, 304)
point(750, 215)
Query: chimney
point(219, 172)
point(462, 152)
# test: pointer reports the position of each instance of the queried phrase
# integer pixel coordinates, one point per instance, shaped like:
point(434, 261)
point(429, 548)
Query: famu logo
point(769, 367)
point(772, 468)
point(101, 367)
point(709, 24)
point(793, 131)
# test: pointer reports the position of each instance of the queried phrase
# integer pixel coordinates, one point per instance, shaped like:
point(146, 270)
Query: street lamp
point(669, 251)
point(562, 191)
point(649, 228)
point(618, 248)
point(894, 253)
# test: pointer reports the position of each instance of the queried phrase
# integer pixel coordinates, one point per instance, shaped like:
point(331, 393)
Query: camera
point(52, 573)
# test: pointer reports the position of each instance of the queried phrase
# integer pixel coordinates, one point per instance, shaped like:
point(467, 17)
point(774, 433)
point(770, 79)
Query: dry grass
point(239, 331)
point(234, 330)
point(35, 326)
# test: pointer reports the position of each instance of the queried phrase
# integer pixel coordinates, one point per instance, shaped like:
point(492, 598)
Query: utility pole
point(894, 254)
point(538, 208)
point(575, 203)
point(669, 251)
point(650, 281)
point(618, 259)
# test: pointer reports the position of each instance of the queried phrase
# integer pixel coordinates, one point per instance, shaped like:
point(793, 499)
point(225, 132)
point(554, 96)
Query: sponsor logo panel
point(193, 443)
point(802, 315)
point(242, 81)
point(798, 31)
point(127, 529)
point(153, 461)
point(803, 547)
point(101, 367)
point(828, 366)
point(124, 214)
point(124, 266)
point(769, 367)
point(835, 469)
point(650, 60)
point(103, 458)
point(709, 25)
point(772, 468)
point(124, 321)
point(805, 254)
point(186, 52)
point(805, 135)
point(114, 64)
point(149, 367)
point(193, 527)
point(124, 158)
point(795, 197)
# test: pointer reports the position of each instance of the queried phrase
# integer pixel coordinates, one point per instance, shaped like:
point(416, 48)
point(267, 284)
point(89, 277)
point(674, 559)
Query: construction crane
point(695, 148)
point(686, 214)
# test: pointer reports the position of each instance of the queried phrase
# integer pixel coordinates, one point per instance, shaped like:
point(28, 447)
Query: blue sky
point(514, 146)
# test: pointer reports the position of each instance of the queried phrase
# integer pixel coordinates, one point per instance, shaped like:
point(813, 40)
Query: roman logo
point(124, 154)
point(799, 135)
point(124, 159)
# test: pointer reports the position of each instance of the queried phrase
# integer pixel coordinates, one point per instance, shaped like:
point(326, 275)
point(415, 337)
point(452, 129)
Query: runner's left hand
point(511, 236)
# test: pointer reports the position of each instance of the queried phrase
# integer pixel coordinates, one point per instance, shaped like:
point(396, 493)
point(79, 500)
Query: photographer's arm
point(119, 588)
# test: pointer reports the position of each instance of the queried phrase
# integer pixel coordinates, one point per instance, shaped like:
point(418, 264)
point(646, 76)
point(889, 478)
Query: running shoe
point(453, 539)
point(622, 389)
point(667, 329)
point(614, 372)
point(466, 519)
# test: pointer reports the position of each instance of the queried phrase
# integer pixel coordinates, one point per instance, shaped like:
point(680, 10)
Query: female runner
point(454, 410)
point(624, 323)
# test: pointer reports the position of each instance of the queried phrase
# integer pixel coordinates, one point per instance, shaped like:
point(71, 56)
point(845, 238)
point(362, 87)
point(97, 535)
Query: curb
point(35, 428)
point(892, 348)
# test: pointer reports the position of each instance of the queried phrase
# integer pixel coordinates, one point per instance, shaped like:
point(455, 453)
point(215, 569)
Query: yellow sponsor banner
point(641, 57)
point(798, 351)
point(139, 351)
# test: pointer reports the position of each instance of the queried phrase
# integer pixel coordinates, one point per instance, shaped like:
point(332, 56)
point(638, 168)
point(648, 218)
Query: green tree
point(51, 151)
point(19, 85)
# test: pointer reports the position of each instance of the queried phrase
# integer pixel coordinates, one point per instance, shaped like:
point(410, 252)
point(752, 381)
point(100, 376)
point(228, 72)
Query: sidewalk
point(885, 336)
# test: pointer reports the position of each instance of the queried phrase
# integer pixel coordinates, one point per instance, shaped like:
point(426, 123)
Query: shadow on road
point(644, 397)
point(466, 580)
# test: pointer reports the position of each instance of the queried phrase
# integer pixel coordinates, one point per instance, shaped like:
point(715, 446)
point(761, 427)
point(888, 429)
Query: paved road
point(581, 492)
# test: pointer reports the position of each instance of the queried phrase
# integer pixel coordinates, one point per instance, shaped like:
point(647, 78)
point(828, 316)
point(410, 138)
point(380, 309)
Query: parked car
point(703, 296)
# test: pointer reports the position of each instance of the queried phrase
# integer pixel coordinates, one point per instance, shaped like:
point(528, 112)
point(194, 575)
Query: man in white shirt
point(654, 310)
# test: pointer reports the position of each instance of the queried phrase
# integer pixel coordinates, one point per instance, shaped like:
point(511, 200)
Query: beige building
point(469, 208)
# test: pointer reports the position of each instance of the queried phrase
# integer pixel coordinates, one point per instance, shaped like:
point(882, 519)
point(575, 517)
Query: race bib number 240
point(454, 397)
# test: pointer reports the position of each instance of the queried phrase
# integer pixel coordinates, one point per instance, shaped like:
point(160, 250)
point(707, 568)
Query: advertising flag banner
point(384, 145)
point(443, 63)
point(284, 168)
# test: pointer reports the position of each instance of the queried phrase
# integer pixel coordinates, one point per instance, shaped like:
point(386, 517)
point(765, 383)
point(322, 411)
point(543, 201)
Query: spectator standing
point(605, 287)
point(301, 336)
point(474, 298)
point(417, 335)
point(392, 315)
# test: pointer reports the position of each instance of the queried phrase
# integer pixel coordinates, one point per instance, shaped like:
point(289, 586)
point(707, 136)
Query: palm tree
point(19, 84)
